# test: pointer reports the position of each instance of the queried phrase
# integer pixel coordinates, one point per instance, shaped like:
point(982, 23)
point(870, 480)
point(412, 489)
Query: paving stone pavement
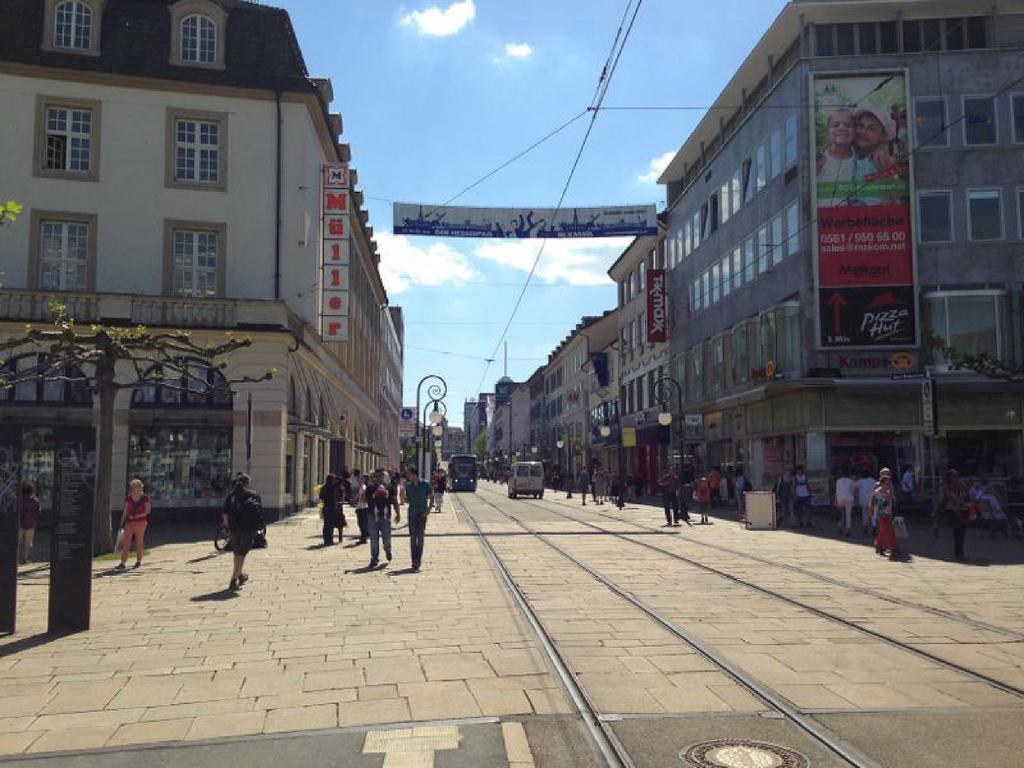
point(309, 643)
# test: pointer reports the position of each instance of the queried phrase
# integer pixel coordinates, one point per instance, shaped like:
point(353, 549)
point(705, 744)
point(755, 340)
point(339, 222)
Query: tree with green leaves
point(983, 363)
point(99, 356)
point(9, 212)
point(480, 445)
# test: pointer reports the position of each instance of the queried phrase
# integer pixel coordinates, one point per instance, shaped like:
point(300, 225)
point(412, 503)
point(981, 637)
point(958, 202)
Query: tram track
point(974, 674)
point(596, 722)
point(867, 591)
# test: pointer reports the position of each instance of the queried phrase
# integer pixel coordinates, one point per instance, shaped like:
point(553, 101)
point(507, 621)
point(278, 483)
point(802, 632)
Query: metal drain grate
point(738, 753)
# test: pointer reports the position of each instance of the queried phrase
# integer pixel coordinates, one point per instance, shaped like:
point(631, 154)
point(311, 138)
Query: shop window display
point(182, 466)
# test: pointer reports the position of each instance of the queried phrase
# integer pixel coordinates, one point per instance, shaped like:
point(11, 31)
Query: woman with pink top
point(134, 521)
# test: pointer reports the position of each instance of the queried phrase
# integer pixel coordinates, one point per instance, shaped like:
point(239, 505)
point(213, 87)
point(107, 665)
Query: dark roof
point(261, 50)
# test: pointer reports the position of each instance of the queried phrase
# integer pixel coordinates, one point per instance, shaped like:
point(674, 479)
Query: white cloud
point(574, 262)
point(657, 167)
point(441, 23)
point(404, 265)
point(518, 50)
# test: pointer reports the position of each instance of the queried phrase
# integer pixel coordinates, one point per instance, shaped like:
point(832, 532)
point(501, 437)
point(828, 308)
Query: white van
point(527, 479)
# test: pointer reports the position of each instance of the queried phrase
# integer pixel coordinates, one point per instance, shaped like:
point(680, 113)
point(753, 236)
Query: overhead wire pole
point(594, 109)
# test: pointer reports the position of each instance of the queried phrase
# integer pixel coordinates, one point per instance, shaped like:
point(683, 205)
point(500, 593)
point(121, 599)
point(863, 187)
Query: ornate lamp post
point(435, 395)
point(664, 389)
point(606, 432)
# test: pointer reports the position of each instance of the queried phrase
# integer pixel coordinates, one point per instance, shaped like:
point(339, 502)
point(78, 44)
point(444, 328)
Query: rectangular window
point(695, 295)
point(762, 250)
point(197, 152)
point(985, 214)
point(775, 153)
point(705, 289)
point(930, 122)
point(737, 267)
point(737, 191)
point(888, 41)
point(747, 180)
point(977, 32)
point(911, 36)
point(777, 245)
point(762, 165)
point(696, 230)
point(824, 42)
point(979, 120)
point(931, 29)
point(63, 255)
point(726, 277)
point(955, 34)
point(68, 140)
point(716, 285)
point(194, 257)
point(844, 39)
point(73, 26)
point(713, 212)
point(1017, 100)
point(935, 216)
point(749, 264)
point(182, 466)
point(791, 145)
point(686, 240)
point(793, 228)
point(705, 222)
point(724, 205)
point(866, 39)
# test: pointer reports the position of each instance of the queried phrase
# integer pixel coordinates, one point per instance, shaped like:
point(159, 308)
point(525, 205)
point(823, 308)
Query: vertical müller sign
point(657, 308)
point(337, 244)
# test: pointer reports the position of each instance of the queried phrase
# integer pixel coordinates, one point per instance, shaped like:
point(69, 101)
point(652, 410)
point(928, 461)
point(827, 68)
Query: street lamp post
point(436, 391)
point(437, 415)
point(606, 432)
point(664, 389)
point(560, 444)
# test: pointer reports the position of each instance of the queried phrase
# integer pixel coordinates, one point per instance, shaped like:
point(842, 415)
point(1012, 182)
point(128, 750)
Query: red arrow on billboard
point(837, 302)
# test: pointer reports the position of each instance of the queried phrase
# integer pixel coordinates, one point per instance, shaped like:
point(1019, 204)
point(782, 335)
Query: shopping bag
point(899, 527)
point(120, 539)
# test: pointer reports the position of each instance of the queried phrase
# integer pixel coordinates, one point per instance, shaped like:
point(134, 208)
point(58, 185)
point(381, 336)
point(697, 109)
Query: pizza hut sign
point(657, 307)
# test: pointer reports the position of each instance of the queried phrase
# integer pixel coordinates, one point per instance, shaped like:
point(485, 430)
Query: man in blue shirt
point(420, 498)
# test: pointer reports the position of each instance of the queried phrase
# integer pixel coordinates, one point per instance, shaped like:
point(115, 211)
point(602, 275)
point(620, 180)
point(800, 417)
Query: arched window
point(198, 40)
point(198, 385)
point(64, 386)
point(72, 25)
point(293, 398)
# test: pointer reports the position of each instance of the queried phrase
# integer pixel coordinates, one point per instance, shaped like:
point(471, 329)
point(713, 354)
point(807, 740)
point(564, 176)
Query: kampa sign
point(657, 309)
point(898, 361)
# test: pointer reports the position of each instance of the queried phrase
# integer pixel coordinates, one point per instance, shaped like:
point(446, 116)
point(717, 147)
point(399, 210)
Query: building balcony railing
point(157, 311)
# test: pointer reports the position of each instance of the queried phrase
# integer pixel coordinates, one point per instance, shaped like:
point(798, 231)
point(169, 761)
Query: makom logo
point(657, 307)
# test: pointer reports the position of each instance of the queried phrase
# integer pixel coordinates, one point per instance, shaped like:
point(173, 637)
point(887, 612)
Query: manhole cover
point(731, 753)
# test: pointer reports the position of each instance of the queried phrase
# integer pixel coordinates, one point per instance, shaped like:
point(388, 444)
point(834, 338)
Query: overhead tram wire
point(621, 38)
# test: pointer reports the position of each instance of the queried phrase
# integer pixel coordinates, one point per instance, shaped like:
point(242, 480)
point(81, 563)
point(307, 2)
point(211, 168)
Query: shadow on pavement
point(403, 572)
point(27, 643)
point(215, 597)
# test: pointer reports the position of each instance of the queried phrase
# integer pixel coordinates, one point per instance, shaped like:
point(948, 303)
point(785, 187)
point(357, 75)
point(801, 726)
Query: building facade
point(129, 134)
point(863, 195)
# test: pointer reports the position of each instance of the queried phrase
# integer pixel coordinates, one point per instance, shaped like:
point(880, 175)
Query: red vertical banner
point(863, 242)
point(657, 306)
point(336, 250)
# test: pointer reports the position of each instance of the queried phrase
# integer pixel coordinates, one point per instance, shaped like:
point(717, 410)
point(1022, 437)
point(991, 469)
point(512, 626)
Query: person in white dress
point(845, 494)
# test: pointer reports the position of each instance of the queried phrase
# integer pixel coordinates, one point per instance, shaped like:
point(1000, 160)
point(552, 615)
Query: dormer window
point(73, 26)
point(198, 40)
point(198, 34)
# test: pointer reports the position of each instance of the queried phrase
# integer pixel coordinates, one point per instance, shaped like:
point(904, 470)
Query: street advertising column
point(864, 250)
point(337, 244)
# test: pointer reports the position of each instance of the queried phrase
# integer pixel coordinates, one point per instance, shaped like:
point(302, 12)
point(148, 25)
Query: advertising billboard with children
point(861, 185)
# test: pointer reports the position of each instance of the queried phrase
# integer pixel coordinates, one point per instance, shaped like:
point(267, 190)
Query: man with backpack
point(378, 493)
point(243, 516)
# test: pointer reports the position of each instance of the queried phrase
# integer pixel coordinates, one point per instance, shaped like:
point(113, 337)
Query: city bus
point(462, 472)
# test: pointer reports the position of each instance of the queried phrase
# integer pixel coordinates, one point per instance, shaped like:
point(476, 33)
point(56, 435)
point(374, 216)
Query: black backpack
point(249, 513)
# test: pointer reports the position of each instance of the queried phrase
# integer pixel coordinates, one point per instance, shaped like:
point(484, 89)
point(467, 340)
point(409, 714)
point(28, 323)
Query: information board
point(71, 543)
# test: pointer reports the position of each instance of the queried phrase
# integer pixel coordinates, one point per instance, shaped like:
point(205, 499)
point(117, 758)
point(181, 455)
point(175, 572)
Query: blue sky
point(437, 93)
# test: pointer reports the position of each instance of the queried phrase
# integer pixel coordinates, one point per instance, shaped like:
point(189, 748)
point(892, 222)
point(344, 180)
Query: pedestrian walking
point(802, 502)
point(379, 517)
point(954, 505)
point(243, 516)
point(584, 484)
point(334, 518)
point(845, 493)
point(865, 489)
point(361, 500)
point(600, 485)
point(883, 503)
point(715, 485)
point(134, 521)
point(28, 517)
point(440, 485)
point(669, 485)
point(703, 494)
point(742, 486)
point(419, 496)
point(907, 485)
point(785, 493)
